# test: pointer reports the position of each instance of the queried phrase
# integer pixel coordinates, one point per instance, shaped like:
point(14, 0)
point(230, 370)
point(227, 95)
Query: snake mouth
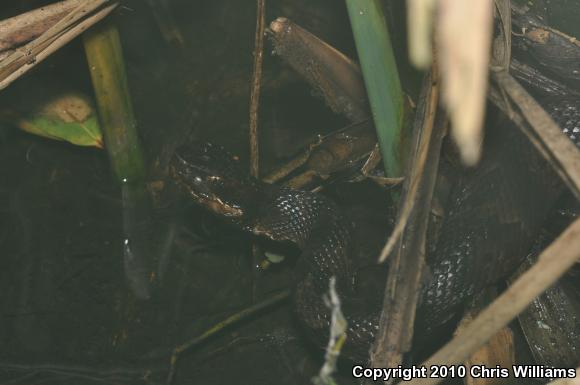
point(263, 232)
point(206, 198)
point(213, 203)
point(219, 207)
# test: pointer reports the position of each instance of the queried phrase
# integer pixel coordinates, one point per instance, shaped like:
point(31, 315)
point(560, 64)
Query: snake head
point(212, 178)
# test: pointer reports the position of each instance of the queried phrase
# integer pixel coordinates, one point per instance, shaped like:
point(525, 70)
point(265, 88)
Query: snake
point(493, 213)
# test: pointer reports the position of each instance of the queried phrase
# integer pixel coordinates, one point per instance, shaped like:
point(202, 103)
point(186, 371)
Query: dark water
point(67, 312)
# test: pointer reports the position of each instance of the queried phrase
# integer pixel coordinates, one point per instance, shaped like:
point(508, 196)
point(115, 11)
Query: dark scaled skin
point(566, 112)
point(494, 213)
point(551, 324)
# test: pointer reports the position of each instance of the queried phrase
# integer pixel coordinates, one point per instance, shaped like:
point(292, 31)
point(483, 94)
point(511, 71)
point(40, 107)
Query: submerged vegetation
point(414, 189)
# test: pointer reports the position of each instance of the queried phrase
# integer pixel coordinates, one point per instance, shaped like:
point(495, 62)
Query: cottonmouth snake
point(493, 213)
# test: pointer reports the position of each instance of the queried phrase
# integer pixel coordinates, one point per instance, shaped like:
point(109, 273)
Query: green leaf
point(69, 117)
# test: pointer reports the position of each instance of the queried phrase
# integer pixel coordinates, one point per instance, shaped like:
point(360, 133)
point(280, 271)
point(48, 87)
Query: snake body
point(493, 214)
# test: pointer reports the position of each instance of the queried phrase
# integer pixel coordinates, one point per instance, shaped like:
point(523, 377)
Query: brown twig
point(431, 98)
point(339, 80)
point(541, 129)
point(404, 280)
point(331, 154)
point(25, 58)
point(255, 92)
point(534, 79)
point(499, 350)
point(331, 73)
point(502, 42)
point(22, 28)
point(287, 168)
point(562, 254)
point(254, 106)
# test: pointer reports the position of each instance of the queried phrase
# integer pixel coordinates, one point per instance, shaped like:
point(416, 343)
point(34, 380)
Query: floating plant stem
point(105, 59)
point(381, 77)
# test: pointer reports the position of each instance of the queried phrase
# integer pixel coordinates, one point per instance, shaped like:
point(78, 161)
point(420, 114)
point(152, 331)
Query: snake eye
point(197, 180)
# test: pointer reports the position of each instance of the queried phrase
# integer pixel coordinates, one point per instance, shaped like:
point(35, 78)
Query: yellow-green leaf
point(70, 117)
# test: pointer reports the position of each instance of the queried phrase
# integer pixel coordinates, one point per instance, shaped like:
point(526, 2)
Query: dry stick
point(20, 29)
point(562, 254)
point(533, 78)
point(5, 54)
point(555, 343)
point(254, 105)
point(255, 93)
point(413, 184)
point(499, 350)
point(287, 168)
point(404, 280)
point(25, 58)
point(28, 52)
point(554, 146)
point(332, 74)
point(328, 71)
point(502, 42)
point(275, 299)
point(331, 153)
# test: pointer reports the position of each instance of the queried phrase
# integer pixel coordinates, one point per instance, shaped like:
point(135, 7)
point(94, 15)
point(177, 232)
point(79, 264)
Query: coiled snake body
point(494, 212)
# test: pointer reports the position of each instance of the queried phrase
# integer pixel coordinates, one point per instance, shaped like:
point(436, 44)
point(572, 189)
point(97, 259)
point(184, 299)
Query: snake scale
point(493, 214)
